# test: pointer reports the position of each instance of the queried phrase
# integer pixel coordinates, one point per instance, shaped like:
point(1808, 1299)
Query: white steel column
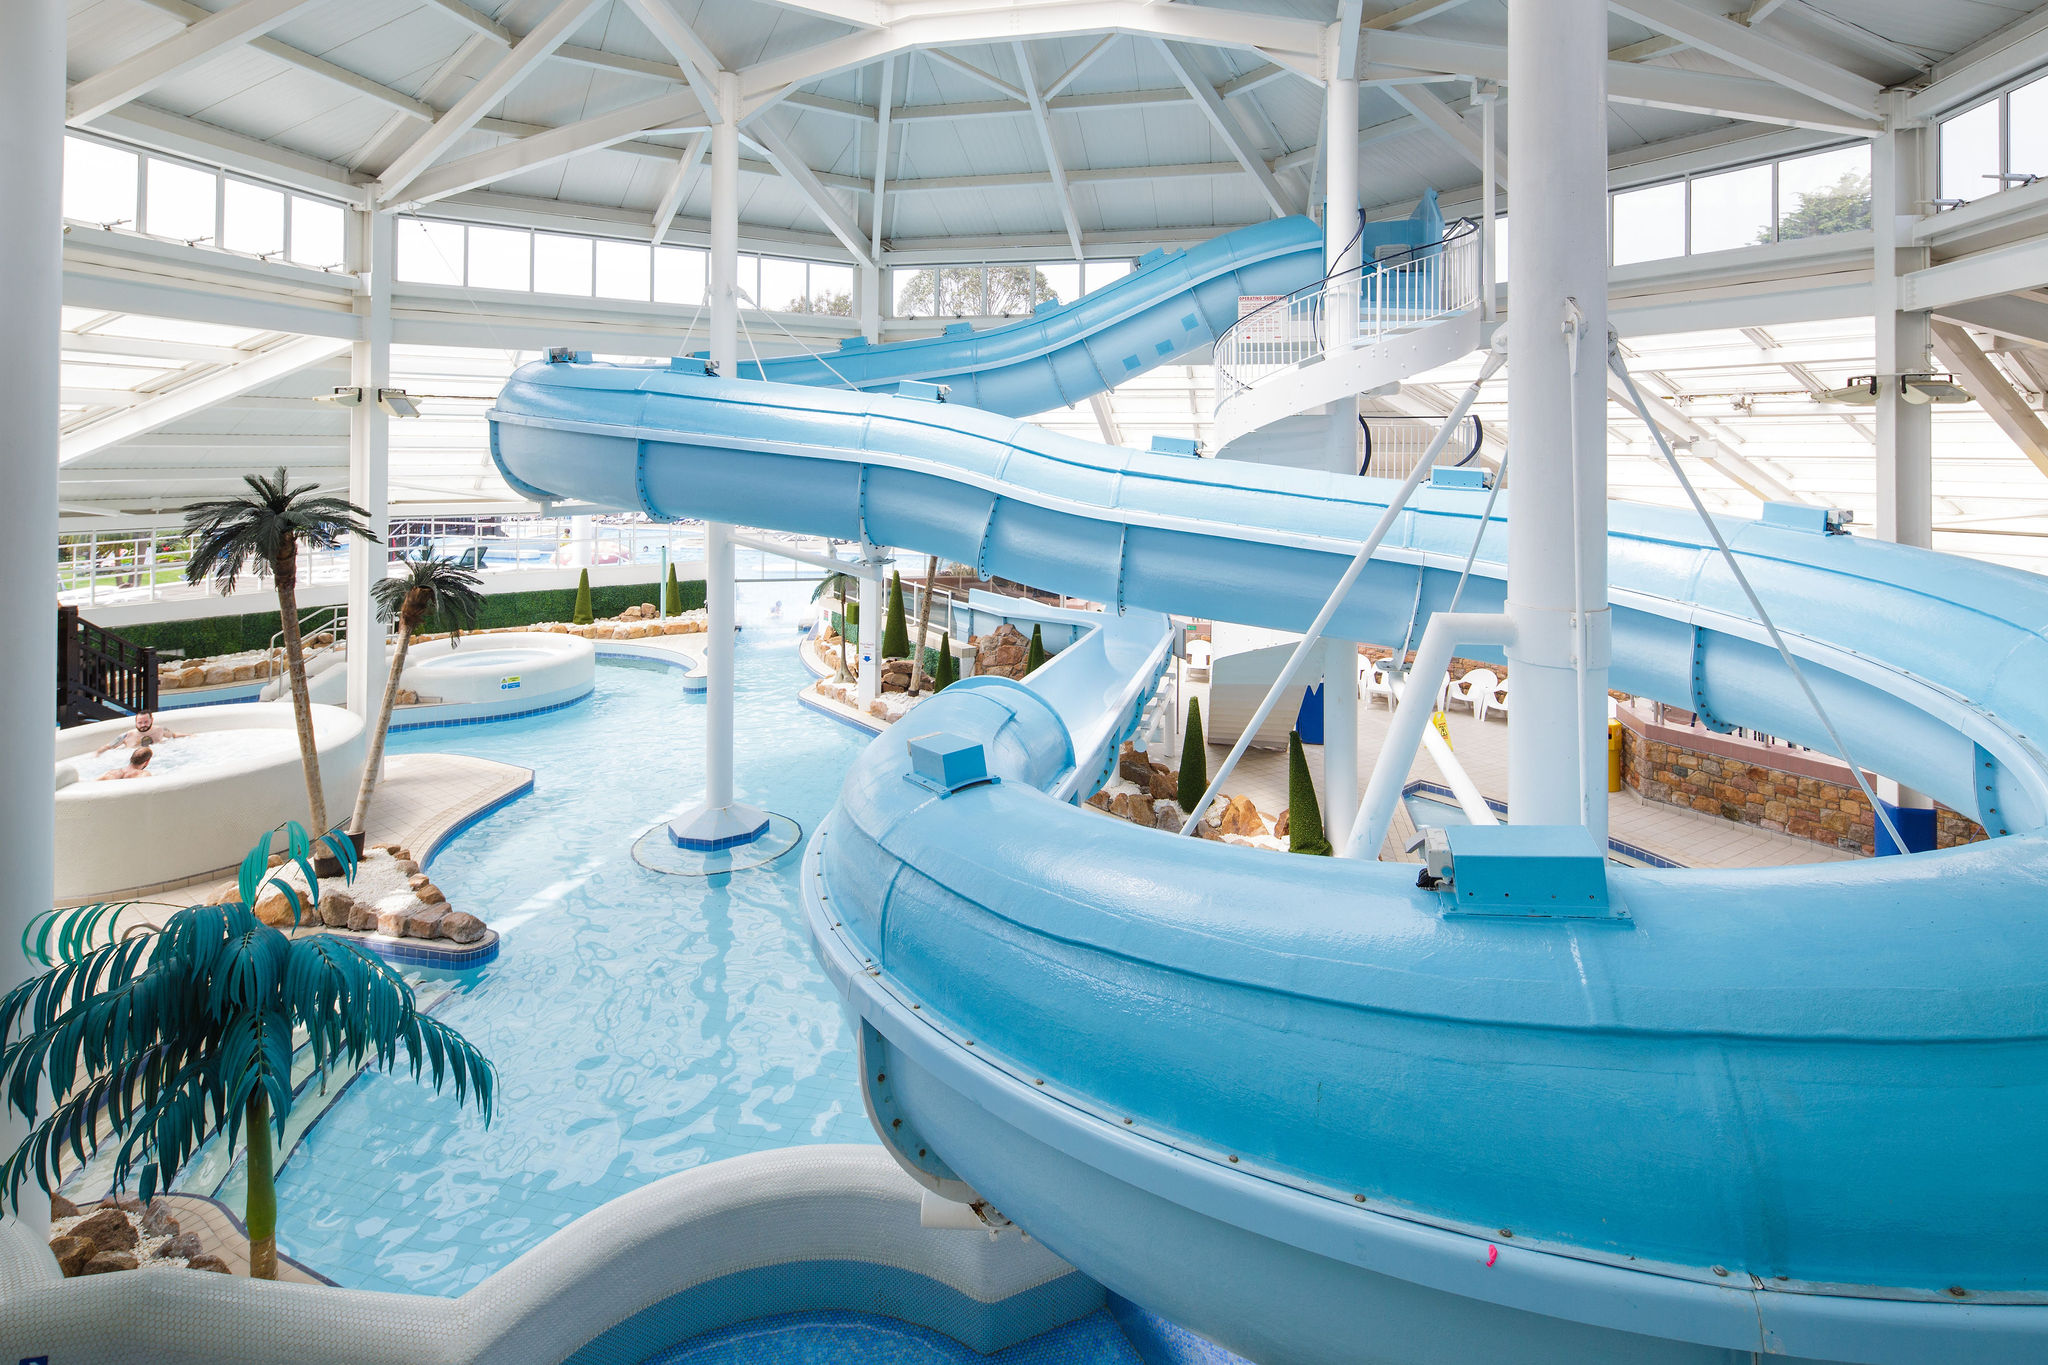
point(1489, 200)
point(369, 457)
point(720, 822)
point(1340, 736)
point(1557, 501)
point(31, 270)
point(870, 684)
point(1340, 252)
point(1901, 181)
point(1899, 184)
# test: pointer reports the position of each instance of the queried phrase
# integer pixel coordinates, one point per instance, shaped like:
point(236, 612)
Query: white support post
point(1340, 734)
point(31, 271)
point(719, 822)
point(369, 458)
point(1901, 181)
point(869, 686)
point(1489, 199)
point(1340, 250)
point(1557, 389)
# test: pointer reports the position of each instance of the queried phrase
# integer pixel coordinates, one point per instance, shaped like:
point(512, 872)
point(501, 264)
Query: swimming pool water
point(833, 1337)
point(641, 1024)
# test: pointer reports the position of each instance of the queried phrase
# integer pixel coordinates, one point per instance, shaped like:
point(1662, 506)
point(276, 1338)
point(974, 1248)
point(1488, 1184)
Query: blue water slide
point(1175, 302)
point(1295, 1103)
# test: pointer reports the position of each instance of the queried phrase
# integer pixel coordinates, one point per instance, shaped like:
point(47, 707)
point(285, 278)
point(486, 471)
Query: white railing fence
point(1358, 307)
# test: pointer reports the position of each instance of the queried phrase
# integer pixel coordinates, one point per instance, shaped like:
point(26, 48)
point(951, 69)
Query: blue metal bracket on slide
point(640, 481)
point(1699, 685)
point(988, 525)
point(1123, 545)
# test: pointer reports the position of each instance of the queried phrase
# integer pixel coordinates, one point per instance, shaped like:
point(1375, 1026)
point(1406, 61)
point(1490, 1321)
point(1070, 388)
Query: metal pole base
point(711, 829)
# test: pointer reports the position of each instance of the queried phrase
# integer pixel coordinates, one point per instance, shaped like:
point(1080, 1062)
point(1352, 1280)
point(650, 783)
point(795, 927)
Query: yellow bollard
point(1614, 755)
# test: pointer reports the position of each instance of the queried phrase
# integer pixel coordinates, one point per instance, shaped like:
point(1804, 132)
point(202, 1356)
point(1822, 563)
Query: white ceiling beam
point(1294, 43)
point(1066, 78)
point(307, 62)
point(157, 410)
point(1663, 87)
point(678, 187)
point(1219, 118)
point(1412, 13)
point(2007, 54)
point(868, 14)
point(798, 173)
point(1105, 419)
point(1993, 392)
point(475, 21)
point(699, 63)
point(884, 128)
point(1349, 14)
point(527, 53)
point(1856, 35)
point(1772, 58)
point(176, 352)
point(556, 144)
point(1443, 120)
point(1062, 195)
point(1752, 477)
point(967, 68)
point(1263, 74)
point(149, 126)
point(146, 70)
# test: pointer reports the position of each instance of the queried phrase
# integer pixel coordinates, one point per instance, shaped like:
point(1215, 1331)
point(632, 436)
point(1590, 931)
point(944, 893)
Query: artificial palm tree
point(426, 586)
point(924, 623)
point(838, 583)
point(267, 526)
point(160, 1037)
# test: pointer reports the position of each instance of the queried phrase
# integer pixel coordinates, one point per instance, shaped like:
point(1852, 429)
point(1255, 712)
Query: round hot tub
point(484, 675)
point(233, 773)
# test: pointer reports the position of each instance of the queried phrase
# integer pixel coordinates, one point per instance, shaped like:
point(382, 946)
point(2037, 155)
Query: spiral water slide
point(1309, 1109)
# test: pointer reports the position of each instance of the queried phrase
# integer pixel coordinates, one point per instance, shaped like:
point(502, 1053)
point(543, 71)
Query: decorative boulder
point(127, 1203)
point(72, 1252)
point(335, 909)
point(1280, 826)
point(431, 895)
point(275, 910)
point(362, 919)
point(1164, 782)
point(184, 1246)
point(107, 1230)
point(392, 922)
point(461, 927)
point(206, 1260)
point(1240, 817)
point(1131, 806)
point(60, 1207)
point(423, 921)
point(157, 1220)
point(106, 1262)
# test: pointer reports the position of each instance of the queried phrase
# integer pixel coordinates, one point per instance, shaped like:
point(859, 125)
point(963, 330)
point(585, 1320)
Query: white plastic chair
point(1494, 699)
point(1378, 681)
point(1200, 653)
point(1473, 691)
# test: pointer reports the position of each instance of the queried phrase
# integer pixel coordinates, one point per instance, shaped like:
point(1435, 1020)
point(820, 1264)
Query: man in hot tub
point(136, 766)
point(145, 733)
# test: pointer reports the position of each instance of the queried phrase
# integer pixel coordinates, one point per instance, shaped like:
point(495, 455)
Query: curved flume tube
point(1289, 1102)
point(1064, 353)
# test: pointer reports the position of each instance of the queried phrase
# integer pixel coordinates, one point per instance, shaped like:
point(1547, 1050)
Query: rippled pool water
point(188, 752)
point(641, 1024)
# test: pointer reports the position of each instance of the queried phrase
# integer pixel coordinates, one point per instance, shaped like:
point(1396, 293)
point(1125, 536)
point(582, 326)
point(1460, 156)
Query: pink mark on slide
point(1492, 1253)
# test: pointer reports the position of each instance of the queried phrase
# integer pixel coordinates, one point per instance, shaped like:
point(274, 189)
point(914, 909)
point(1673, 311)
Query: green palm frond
point(430, 586)
point(256, 529)
point(162, 1039)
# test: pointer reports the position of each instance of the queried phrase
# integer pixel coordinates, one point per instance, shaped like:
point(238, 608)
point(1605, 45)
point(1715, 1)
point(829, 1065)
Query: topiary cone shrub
point(1304, 815)
point(1034, 657)
point(895, 631)
point(672, 598)
point(1194, 760)
point(582, 616)
point(948, 672)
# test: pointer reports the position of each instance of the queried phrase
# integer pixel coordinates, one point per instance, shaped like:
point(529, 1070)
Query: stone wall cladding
point(1752, 792)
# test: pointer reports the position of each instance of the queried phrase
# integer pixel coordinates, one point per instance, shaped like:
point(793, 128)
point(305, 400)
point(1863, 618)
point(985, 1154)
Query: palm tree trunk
point(260, 1213)
point(924, 623)
point(359, 821)
point(286, 572)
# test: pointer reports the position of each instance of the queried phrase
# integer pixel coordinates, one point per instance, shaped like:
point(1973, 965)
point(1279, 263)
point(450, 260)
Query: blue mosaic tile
point(833, 1337)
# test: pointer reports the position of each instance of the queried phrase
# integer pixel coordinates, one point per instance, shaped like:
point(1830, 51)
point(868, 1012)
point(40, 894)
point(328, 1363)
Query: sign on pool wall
point(509, 683)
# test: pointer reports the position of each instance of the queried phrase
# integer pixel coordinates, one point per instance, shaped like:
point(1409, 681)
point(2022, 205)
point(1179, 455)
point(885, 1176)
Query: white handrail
point(1358, 307)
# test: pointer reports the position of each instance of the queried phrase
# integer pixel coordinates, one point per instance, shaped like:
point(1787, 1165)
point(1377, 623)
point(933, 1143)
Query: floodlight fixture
point(1862, 391)
point(1932, 388)
point(397, 403)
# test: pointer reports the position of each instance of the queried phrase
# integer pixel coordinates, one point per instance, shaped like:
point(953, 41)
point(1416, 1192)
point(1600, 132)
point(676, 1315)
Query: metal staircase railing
point(1352, 308)
point(100, 676)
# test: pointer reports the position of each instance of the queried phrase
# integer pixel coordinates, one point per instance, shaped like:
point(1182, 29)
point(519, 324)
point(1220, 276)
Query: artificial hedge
point(210, 635)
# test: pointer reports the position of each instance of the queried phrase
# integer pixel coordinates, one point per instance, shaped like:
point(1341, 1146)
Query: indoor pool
point(193, 752)
point(641, 1024)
